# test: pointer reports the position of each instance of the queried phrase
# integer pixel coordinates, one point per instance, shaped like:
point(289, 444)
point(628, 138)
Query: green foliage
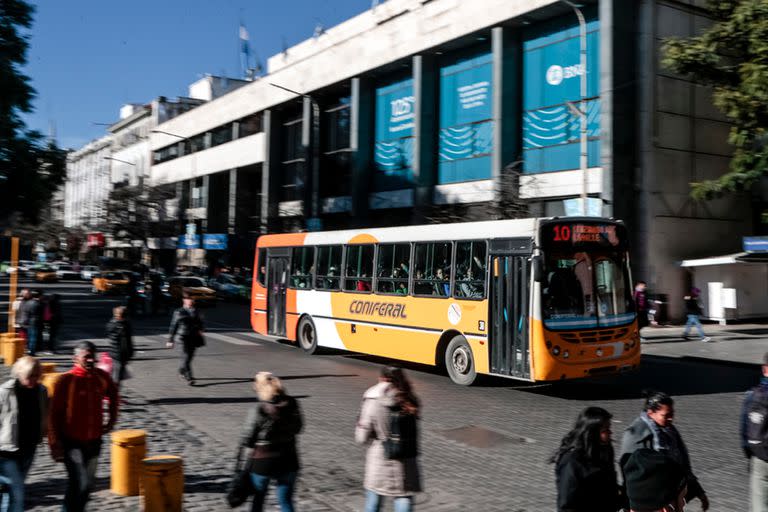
point(30, 169)
point(732, 57)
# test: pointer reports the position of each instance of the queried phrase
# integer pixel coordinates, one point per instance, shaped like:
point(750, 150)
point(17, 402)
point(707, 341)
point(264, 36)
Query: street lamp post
point(582, 110)
point(314, 205)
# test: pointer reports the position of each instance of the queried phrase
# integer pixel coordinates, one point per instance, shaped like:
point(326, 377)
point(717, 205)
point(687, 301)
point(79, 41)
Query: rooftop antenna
point(285, 47)
point(319, 29)
point(245, 51)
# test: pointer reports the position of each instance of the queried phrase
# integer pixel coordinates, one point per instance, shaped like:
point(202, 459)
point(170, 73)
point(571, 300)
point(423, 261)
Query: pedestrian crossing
point(229, 339)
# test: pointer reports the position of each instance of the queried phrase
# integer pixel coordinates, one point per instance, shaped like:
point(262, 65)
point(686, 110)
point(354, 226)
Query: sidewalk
point(738, 343)
point(207, 463)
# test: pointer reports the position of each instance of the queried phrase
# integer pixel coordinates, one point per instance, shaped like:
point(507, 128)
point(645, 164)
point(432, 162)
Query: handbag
point(240, 487)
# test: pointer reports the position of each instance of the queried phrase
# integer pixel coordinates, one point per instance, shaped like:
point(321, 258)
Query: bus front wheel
point(459, 361)
point(307, 335)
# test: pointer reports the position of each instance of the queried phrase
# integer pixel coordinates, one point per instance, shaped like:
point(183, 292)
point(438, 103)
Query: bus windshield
point(586, 280)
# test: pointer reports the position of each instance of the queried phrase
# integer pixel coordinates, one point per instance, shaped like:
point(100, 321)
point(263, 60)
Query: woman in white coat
point(390, 471)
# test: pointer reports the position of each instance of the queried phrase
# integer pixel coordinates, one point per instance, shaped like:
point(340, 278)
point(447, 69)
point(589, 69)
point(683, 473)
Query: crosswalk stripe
point(229, 339)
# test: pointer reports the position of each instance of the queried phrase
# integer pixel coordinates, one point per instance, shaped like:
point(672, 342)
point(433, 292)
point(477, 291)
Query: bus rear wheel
point(459, 361)
point(307, 335)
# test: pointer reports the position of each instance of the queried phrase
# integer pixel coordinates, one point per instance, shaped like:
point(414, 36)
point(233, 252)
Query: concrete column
point(507, 151)
point(425, 93)
point(205, 195)
point(270, 176)
point(361, 141)
point(232, 203)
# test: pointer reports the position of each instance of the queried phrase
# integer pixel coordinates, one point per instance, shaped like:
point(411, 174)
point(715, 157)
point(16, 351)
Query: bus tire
point(306, 335)
point(459, 361)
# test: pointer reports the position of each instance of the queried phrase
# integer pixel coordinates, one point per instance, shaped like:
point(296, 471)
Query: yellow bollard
point(162, 483)
point(13, 349)
point(47, 368)
point(129, 448)
point(49, 381)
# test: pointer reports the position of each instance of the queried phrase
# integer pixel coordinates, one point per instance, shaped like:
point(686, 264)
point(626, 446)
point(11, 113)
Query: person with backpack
point(754, 440)
point(654, 430)
point(270, 433)
point(187, 323)
point(120, 334)
point(388, 425)
point(584, 468)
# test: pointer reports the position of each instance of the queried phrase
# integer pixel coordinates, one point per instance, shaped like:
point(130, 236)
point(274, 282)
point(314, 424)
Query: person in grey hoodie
point(654, 429)
point(399, 478)
point(23, 423)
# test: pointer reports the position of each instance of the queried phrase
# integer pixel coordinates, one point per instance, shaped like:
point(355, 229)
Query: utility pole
point(582, 110)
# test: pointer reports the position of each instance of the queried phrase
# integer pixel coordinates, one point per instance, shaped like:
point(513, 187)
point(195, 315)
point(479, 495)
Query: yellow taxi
point(44, 274)
point(111, 281)
point(194, 286)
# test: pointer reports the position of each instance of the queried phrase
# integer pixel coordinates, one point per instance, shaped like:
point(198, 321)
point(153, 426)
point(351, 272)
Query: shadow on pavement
point(673, 375)
point(211, 400)
point(215, 484)
point(318, 376)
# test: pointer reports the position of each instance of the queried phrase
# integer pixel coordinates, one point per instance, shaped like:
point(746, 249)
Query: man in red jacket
point(77, 423)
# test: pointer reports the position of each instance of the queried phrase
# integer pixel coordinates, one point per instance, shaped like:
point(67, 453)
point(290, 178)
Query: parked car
point(45, 274)
point(194, 286)
point(227, 286)
point(67, 272)
point(87, 273)
point(111, 281)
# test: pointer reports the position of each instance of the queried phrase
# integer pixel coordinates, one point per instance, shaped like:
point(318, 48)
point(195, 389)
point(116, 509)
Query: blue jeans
point(373, 502)
point(285, 484)
point(12, 474)
point(33, 334)
point(693, 321)
point(81, 460)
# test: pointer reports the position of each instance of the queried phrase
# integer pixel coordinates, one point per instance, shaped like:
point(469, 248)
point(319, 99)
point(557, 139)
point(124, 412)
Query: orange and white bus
point(531, 299)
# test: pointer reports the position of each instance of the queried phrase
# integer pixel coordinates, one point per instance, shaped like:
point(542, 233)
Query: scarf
point(665, 439)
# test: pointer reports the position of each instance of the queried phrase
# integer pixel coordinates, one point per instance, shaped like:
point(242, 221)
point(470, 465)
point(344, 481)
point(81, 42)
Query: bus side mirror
point(537, 267)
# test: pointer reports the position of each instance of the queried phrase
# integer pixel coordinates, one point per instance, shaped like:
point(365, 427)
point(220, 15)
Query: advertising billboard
point(552, 74)
point(466, 130)
point(393, 151)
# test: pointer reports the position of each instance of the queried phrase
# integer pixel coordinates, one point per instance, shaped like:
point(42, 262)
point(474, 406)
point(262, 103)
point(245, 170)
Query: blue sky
point(89, 57)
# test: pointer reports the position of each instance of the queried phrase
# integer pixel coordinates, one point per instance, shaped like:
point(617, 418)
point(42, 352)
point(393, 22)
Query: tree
point(732, 57)
point(30, 169)
point(139, 212)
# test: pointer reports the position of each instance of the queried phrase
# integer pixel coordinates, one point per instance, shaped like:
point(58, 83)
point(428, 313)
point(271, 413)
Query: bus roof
point(428, 232)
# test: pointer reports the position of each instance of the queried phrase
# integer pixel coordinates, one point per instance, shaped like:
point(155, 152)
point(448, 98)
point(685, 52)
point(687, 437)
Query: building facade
point(88, 184)
point(438, 110)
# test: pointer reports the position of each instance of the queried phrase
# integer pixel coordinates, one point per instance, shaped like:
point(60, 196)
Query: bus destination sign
point(602, 234)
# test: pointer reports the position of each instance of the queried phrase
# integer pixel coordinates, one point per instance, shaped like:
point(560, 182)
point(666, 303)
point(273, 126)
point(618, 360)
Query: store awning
point(728, 259)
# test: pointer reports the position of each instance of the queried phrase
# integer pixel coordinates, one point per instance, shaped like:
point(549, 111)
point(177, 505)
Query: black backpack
point(757, 424)
point(402, 441)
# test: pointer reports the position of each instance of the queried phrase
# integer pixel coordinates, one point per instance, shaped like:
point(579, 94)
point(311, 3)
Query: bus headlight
point(599, 352)
point(566, 354)
point(556, 350)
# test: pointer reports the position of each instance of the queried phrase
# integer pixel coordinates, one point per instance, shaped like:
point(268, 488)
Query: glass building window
point(466, 129)
point(302, 267)
point(221, 134)
point(328, 267)
point(251, 125)
point(336, 161)
point(432, 269)
point(470, 270)
point(359, 262)
point(293, 163)
point(197, 143)
point(392, 268)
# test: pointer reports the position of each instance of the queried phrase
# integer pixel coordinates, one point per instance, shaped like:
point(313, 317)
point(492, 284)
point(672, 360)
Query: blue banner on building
point(215, 241)
point(466, 130)
point(755, 243)
point(393, 154)
point(552, 74)
point(188, 241)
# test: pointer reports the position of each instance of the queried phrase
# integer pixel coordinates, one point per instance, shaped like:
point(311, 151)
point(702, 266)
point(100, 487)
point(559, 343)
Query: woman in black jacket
point(584, 469)
point(270, 432)
point(120, 336)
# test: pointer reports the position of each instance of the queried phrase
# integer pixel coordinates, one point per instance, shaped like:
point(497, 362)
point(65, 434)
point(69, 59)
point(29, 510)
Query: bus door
point(508, 308)
point(277, 284)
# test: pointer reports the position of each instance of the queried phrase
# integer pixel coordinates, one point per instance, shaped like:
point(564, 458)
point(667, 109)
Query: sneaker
point(706, 339)
point(191, 382)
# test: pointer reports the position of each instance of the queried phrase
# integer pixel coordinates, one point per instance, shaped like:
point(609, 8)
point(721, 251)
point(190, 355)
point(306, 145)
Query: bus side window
point(261, 275)
point(392, 268)
point(328, 267)
point(302, 267)
point(359, 261)
point(432, 269)
point(470, 270)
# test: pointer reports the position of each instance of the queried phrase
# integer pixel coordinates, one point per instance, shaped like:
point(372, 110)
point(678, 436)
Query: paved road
point(484, 447)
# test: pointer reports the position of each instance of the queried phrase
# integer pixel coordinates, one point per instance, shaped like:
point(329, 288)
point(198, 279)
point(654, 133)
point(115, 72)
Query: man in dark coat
point(120, 336)
point(188, 325)
point(32, 320)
